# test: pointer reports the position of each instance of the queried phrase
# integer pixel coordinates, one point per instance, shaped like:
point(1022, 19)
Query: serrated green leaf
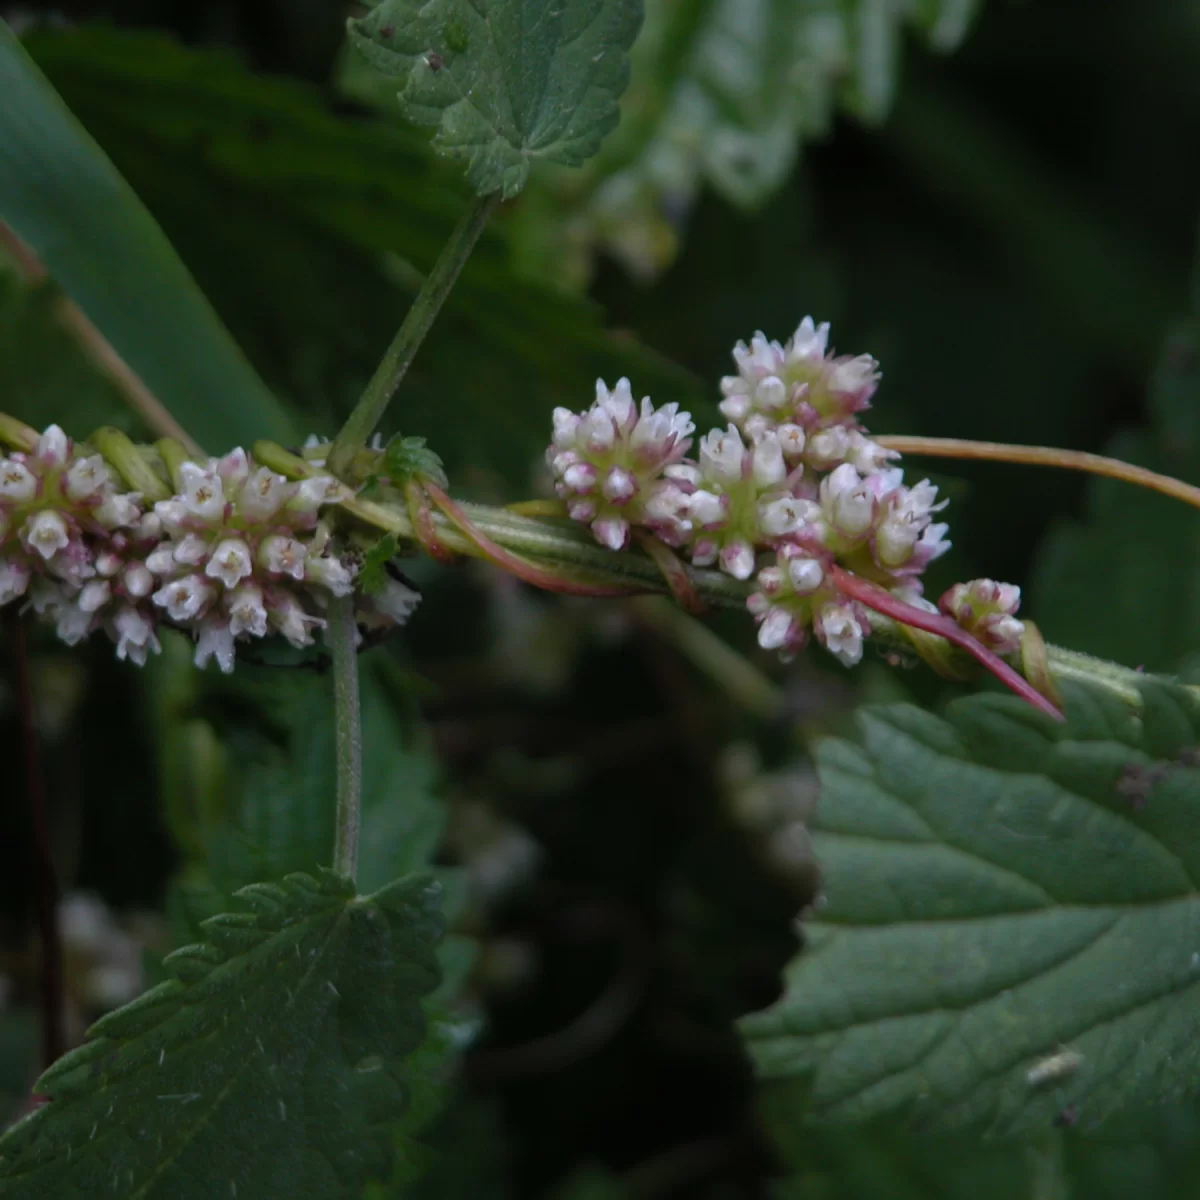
point(64, 198)
point(372, 575)
point(724, 93)
point(998, 895)
point(270, 1066)
point(506, 82)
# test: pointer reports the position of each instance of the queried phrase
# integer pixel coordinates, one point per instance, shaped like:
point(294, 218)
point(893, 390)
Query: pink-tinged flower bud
point(46, 533)
point(161, 561)
point(582, 509)
point(230, 562)
point(987, 609)
point(108, 563)
point(666, 512)
point(737, 558)
point(620, 486)
point(805, 574)
point(94, 596)
point(780, 630)
point(14, 580)
point(53, 448)
point(137, 580)
point(580, 477)
point(134, 635)
point(611, 531)
point(215, 641)
point(771, 581)
point(840, 630)
point(566, 425)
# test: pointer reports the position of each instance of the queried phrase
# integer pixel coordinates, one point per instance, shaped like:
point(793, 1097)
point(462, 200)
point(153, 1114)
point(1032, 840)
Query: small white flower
point(829, 447)
point(396, 600)
point(566, 425)
point(184, 599)
point(161, 560)
point(292, 621)
point(203, 493)
point(580, 477)
point(231, 562)
point(282, 555)
point(134, 635)
point(86, 476)
point(314, 493)
point(215, 641)
point(809, 343)
point(71, 623)
point(847, 501)
point(721, 455)
point(706, 509)
point(118, 510)
point(247, 613)
point(262, 495)
point(619, 486)
point(46, 533)
point(768, 468)
point(17, 482)
point(331, 573)
point(839, 631)
point(788, 515)
point(190, 550)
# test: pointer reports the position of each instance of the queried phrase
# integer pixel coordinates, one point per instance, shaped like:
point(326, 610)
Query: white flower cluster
point(792, 486)
point(238, 553)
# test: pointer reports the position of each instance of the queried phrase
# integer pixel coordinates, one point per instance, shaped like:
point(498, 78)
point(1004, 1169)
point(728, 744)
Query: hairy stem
point(1045, 456)
point(53, 1041)
point(342, 636)
point(420, 317)
point(100, 350)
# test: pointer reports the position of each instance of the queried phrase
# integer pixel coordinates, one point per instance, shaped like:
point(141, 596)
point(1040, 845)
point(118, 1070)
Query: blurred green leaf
point(1000, 887)
point(327, 225)
point(1123, 584)
point(724, 92)
point(267, 1066)
point(63, 197)
point(506, 82)
point(44, 376)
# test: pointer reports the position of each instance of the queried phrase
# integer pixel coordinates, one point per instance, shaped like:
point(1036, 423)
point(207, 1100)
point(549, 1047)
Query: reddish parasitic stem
point(673, 571)
point(521, 567)
point(884, 602)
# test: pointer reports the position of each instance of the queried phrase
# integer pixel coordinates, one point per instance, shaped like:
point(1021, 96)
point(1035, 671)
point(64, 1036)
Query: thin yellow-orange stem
point(1045, 456)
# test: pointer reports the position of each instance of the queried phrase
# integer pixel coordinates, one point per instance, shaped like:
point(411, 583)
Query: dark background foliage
point(1014, 242)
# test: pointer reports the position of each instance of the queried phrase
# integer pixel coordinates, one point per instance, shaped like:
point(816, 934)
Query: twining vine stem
point(342, 635)
point(399, 356)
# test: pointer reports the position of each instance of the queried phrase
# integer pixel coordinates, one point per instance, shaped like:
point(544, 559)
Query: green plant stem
point(417, 322)
point(348, 734)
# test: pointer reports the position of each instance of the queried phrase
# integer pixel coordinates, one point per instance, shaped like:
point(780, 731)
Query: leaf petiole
point(416, 324)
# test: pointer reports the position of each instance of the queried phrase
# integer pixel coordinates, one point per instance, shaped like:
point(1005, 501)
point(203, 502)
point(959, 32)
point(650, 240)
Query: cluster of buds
point(791, 489)
point(239, 552)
